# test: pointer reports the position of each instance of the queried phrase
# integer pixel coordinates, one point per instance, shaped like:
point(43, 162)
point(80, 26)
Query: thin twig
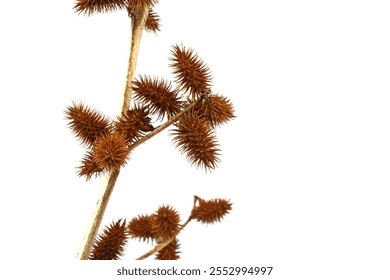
point(160, 128)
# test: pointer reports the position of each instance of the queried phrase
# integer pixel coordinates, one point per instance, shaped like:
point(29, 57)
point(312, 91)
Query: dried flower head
point(134, 124)
point(89, 167)
point(210, 211)
point(157, 95)
point(111, 151)
point(165, 223)
point(137, 5)
point(110, 244)
point(98, 6)
point(190, 71)
point(194, 136)
point(86, 123)
point(141, 227)
point(215, 109)
point(169, 252)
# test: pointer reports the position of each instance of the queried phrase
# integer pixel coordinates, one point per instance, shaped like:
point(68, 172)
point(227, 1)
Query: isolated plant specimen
point(150, 105)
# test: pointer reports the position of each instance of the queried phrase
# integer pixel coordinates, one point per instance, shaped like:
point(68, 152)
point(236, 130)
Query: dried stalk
point(137, 26)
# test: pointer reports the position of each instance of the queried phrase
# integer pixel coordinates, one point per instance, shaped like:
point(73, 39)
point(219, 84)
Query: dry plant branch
point(137, 26)
point(191, 108)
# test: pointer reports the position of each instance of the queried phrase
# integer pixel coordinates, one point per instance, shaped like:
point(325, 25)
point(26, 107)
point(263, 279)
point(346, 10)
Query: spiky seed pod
point(190, 72)
point(210, 211)
point(169, 252)
point(157, 95)
point(111, 151)
point(141, 227)
point(134, 124)
point(194, 136)
point(165, 223)
point(110, 244)
point(86, 123)
point(89, 167)
point(137, 5)
point(90, 7)
point(216, 109)
point(152, 22)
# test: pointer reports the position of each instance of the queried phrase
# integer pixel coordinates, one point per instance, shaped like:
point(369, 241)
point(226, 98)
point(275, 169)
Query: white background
point(306, 162)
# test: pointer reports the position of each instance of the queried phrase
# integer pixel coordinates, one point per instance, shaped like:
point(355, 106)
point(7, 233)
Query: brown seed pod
point(110, 244)
point(169, 252)
point(191, 73)
point(194, 136)
point(86, 123)
point(141, 227)
point(165, 223)
point(152, 22)
point(89, 167)
point(215, 109)
point(157, 95)
point(111, 151)
point(210, 211)
point(90, 7)
point(134, 124)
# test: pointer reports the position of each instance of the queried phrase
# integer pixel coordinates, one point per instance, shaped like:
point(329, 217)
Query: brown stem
point(160, 128)
point(137, 26)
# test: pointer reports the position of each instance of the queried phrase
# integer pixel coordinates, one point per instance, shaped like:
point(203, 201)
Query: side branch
point(160, 128)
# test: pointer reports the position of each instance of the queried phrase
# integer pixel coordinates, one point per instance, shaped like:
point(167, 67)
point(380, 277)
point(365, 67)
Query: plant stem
point(160, 128)
point(137, 26)
point(97, 215)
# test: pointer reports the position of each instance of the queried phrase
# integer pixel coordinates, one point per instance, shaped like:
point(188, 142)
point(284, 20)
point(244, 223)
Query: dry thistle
point(165, 223)
point(152, 22)
point(86, 123)
point(134, 124)
point(170, 252)
point(210, 211)
point(89, 167)
point(90, 7)
point(194, 137)
point(190, 71)
point(111, 243)
point(111, 151)
point(215, 109)
point(157, 95)
point(141, 227)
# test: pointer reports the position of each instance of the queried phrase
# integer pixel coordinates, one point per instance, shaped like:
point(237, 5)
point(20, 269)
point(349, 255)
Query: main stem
point(138, 21)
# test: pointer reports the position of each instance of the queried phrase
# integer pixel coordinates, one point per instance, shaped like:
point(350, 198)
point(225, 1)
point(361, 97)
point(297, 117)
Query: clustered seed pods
point(188, 104)
point(162, 226)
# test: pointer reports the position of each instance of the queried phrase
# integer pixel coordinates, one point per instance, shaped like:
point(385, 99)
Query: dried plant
point(188, 104)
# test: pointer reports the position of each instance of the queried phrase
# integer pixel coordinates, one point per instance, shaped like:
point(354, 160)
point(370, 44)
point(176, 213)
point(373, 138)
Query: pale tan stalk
point(138, 21)
point(138, 25)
